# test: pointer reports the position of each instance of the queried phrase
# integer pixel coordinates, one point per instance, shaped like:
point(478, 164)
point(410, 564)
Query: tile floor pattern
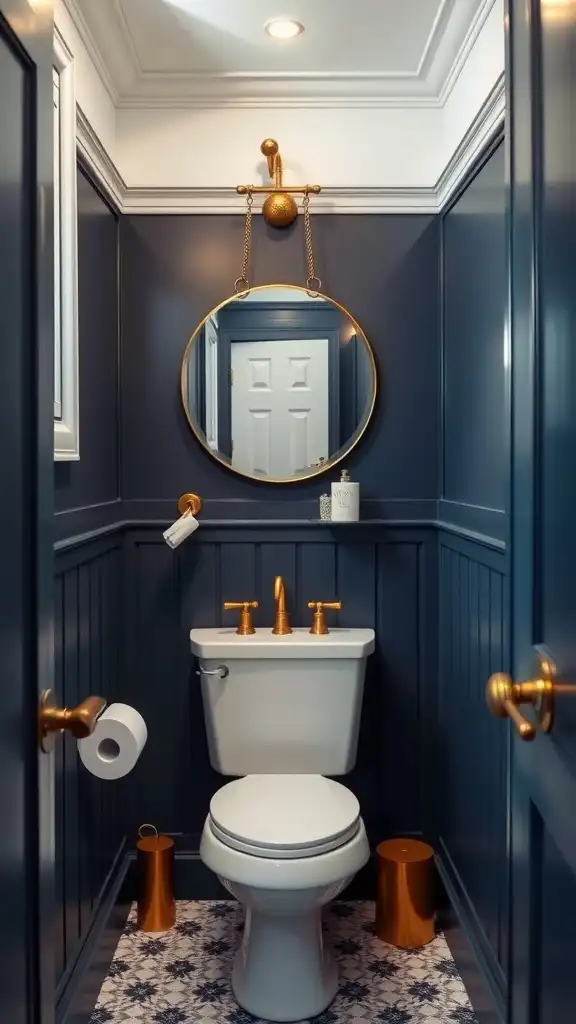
point(183, 976)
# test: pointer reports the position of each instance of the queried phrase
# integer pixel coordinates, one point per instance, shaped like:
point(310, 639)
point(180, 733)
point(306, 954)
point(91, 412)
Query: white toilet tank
point(282, 704)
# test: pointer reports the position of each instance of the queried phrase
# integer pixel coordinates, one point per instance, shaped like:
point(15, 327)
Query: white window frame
point(66, 412)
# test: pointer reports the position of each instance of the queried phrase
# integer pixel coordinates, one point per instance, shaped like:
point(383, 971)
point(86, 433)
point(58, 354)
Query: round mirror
point(278, 385)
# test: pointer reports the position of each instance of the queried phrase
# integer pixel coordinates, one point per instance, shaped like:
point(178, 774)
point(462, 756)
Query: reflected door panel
point(278, 384)
point(279, 405)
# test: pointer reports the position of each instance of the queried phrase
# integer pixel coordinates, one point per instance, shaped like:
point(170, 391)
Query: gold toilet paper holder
point(80, 721)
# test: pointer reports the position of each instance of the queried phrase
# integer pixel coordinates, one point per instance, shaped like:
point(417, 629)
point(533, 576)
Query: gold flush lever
point(503, 697)
point(79, 721)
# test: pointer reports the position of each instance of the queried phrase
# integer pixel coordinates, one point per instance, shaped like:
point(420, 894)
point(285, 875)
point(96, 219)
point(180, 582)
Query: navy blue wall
point(174, 269)
point(124, 599)
point(470, 748)
point(475, 450)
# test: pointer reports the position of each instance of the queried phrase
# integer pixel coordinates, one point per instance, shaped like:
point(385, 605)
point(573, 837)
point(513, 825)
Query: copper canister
point(156, 903)
point(405, 898)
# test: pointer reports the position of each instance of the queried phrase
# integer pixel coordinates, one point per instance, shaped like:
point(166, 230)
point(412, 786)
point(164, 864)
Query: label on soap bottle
point(346, 501)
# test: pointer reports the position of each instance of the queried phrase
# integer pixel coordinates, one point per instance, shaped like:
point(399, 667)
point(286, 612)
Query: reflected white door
point(279, 405)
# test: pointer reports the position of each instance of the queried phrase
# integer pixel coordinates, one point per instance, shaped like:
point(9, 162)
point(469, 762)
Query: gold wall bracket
point(504, 696)
point(190, 503)
point(319, 626)
point(279, 208)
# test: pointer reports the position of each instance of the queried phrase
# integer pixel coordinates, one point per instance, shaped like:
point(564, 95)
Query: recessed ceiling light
point(283, 28)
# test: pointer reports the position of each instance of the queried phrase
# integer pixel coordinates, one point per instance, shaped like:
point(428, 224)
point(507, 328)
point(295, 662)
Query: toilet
point(283, 713)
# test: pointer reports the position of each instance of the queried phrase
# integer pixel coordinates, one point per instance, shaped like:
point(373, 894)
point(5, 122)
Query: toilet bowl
point(284, 846)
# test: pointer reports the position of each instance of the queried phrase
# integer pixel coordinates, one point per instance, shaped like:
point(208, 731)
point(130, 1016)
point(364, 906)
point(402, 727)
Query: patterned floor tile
point(183, 976)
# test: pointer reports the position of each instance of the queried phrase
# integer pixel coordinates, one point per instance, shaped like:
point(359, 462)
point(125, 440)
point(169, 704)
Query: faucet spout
point(281, 619)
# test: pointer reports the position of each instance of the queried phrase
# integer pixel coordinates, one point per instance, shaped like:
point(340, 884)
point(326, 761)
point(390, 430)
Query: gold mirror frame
point(340, 454)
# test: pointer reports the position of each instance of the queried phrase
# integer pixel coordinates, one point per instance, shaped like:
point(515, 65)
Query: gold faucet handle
point(245, 625)
point(319, 626)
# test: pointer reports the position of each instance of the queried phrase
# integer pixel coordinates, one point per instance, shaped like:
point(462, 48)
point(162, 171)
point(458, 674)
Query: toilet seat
point(284, 816)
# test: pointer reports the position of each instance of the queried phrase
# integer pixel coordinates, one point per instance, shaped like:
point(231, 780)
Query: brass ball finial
point(279, 210)
point(269, 147)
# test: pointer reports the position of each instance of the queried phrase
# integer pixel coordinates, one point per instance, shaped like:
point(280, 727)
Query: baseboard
point(78, 991)
point(474, 957)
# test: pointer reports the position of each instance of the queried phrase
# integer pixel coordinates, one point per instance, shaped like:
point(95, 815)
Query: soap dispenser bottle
point(345, 500)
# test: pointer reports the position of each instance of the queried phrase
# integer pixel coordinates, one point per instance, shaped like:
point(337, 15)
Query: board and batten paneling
point(90, 814)
point(471, 747)
point(384, 578)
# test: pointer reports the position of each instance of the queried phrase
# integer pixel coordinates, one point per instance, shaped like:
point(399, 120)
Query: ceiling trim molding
point(306, 101)
point(468, 43)
point(432, 44)
point(337, 199)
point(331, 200)
point(487, 122)
point(92, 49)
point(135, 87)
point(99, 162)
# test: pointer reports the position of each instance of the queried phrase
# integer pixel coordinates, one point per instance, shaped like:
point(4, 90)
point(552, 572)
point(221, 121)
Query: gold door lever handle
point(502, 699)
point(79, 721)
point(503, 696)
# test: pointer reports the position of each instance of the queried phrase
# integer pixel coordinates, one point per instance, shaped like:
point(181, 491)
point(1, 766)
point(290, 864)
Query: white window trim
point(66, 426)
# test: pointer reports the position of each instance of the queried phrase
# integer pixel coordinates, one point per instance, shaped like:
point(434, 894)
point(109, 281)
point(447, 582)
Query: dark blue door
point(26, 471)
point(542, 122)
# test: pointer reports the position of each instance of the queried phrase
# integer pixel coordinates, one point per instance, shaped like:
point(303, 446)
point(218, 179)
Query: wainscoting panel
point(380, 581)
point(472, 746)
point(89, 825)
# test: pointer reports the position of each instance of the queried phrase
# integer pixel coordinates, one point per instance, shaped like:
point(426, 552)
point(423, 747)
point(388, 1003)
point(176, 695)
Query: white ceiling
point(155, 51)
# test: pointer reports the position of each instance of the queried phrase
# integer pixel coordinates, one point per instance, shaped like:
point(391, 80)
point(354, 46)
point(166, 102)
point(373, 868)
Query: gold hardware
point(503, 696)
point(279, 209)
point(313, 283)
point(281, 619)
point(190, 503)
point(319, 626)
point(156, 904)
point(242, 284)
point(80, 721)
point(245, 625)
point(327, 464)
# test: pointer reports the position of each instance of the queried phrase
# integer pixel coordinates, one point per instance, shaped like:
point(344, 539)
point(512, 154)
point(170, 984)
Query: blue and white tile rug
point(183, 976)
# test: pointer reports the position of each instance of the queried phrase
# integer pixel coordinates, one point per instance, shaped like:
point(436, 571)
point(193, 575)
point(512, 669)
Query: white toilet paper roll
point(116, 743)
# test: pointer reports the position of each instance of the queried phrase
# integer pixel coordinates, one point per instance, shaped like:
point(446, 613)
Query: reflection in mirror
point(279, 384)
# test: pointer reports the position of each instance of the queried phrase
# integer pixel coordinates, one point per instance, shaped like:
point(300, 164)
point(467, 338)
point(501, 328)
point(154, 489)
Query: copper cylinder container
point(405, 898)
point(156, 903)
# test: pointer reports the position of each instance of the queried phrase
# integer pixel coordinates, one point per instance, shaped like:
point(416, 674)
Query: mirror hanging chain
point(242, 284)
point(313, 283)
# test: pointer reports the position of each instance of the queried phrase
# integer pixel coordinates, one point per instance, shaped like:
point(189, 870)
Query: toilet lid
point(284, 815)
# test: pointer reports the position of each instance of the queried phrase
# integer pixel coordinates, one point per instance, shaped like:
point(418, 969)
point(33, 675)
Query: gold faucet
point(281, 620)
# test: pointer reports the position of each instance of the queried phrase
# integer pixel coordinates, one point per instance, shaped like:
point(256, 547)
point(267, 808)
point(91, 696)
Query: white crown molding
point(99, 161)
point(92, 49)
point(486, 124)
point(331, 200)
point(338, 101)
point(468, 43)
point(340, 200)
point(132, 86)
